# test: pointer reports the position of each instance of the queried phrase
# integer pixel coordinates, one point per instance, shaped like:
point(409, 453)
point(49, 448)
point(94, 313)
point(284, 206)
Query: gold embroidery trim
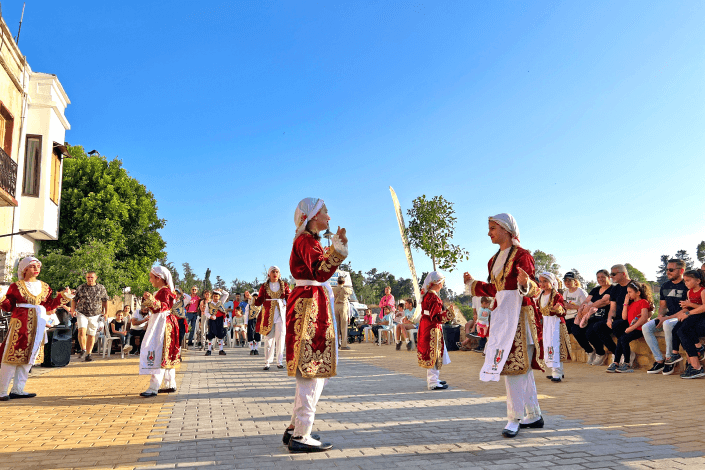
point(499, 282)
point(33, 299)
point(168, 333)
point(331, 259)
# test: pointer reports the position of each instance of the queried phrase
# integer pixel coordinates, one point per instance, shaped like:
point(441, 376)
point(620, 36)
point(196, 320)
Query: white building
point(33, 128)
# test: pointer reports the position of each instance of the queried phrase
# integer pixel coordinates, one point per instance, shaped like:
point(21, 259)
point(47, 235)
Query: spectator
point(138, 327)
point(636, 311)
point(192, 313)
point(90, 303)
point(482, 325)
point(179, 311)
point(239, 326)
point(387, 300)
point(592, 311)
point(600, 336)
point(384, 319)
point(203, 326)
point(117, 328)
point(404, 322)
point(341, 293)
point(366, 321)
point(672, 293)
point(573, 297)
point(693, 323)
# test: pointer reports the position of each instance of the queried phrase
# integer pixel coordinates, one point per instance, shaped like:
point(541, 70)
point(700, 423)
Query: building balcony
point(8, 180)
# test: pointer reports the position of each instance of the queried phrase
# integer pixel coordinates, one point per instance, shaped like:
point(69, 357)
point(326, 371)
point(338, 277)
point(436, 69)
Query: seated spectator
point(600, 335)
point(384, 319)
point(239, 326)
point(118, 329)
point(636, 311)
point(138, 327)
point(481, 318)
point(592, 311)
point(573, 297)
point(692, 323)
point(366, 321)
point(404, 323)
point(672, 293)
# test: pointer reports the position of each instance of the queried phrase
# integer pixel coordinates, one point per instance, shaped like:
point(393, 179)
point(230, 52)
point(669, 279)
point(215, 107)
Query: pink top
point(387, 301)
point(193, 305)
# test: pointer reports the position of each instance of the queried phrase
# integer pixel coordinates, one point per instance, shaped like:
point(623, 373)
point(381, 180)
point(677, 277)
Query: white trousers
point(275, 340)
point(522, 400)
point(167, 375)
point(432, 377)
point(308, 392)
point(557, 372)
point(9, 372)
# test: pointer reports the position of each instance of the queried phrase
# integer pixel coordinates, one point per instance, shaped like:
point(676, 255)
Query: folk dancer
point(430, 348)
point(28, 299)
point(272, 297)
point(216, 321)
point(556, 342)
point(179, 311)
point(160, 352)
point(253, 336)
point(311, 342)
point(514, 345)
point(342, 292)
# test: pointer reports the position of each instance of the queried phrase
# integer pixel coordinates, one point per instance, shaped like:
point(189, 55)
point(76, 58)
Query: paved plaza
point(229, 413)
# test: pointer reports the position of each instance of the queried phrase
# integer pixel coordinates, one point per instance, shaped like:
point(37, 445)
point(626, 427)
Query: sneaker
point(624, 368)
point(399, 346)
point(656, 368)
point(221, 352)
point(612, 368)
point(127, 349)
point(668, 369)
point(673, 359)
point(81, 353)
point(88, 358)
point(208, 353)
point(590, 358)
point(408, 345)
point(479, 350)
point(693, 373)
point(599, 360)
point(632, 358)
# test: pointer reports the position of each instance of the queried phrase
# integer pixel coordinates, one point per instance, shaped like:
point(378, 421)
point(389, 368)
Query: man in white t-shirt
point(573, 297)
point(138, 327)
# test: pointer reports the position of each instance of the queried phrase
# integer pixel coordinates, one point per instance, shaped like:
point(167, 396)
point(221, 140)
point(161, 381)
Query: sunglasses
point(670, 270)
point(614, 274)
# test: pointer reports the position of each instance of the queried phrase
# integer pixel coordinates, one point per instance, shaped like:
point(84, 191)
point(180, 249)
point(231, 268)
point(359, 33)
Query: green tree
point(175, 277)
point(60, 270)
point(700, 252)
point(190, 279)
point(101, 201)
point(682, 254)
point(207, 280)
point(545, 262)
point(661, 273)
point(580, 278)
point(220, 283)
point(431, 227)
point(635, 273)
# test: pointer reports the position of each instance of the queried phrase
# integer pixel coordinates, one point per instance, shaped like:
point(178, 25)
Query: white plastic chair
point(108, 341)
point(411, 337)
point(389, 329)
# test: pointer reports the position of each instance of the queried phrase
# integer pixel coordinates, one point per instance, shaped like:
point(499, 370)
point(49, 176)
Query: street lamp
point(328, 235)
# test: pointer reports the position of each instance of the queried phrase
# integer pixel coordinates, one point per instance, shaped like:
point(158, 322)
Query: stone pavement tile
point(378, 414)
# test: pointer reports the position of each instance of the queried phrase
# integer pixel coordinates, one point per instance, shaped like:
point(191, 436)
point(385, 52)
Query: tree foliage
point(635, 273)
point(580, 278)
point(700, 252)
point(683, 254)
point(101, 202)
point(661, 272)
point(431, 227)
point(545, 262)
point(60, 270)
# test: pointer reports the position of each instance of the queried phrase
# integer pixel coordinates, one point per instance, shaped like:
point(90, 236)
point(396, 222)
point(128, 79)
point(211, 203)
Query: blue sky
point(583, 119)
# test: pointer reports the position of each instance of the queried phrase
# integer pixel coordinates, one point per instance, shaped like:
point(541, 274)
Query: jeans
point(649, 330)
point(581, 334)
point(623, 349)
point(191, 318)
point(600, 335)
point(692, 328)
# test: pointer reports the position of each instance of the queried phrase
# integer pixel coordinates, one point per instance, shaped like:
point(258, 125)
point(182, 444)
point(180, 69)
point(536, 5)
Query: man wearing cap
point(90, 303)
point(311, 340)
point(342, 293)
point(272, 297)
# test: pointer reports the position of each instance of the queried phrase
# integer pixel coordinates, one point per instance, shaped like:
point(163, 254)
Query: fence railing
point(8, 173)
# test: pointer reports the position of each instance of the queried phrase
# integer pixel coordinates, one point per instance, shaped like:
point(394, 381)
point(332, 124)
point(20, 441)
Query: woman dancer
point(311, 341)
point(160, 351)
point(514, 345)
point(28, 299)
point(271, 322)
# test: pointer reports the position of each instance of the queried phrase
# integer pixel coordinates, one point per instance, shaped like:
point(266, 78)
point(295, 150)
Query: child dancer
point(216, 322)
point(556, 343)
point(430, 349)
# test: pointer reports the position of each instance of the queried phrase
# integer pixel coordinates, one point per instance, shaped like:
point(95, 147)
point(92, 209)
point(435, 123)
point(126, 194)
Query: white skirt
point(152, 345)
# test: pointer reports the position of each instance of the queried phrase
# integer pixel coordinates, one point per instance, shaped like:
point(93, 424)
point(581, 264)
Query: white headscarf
point(25, 263)
point(507, 222)
point(305, 211)
point(162, 272)
point(550, 277)
point(432, 278)
point(272, 268)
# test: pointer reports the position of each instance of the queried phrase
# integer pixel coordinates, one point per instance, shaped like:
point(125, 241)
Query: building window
point(6, 124)
point(55, 176)
point(32, 164)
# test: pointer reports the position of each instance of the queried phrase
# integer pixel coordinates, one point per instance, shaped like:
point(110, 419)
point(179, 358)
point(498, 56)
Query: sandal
point(463, 348)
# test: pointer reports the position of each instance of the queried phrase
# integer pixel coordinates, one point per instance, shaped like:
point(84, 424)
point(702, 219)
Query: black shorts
point(215, 328)
point(252, 334)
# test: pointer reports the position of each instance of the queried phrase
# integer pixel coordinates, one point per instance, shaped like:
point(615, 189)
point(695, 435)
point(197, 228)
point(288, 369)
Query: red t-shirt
point(634, 310)
point(696, 297)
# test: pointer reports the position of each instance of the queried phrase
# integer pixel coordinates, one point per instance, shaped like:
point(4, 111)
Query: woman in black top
point(117, 328)
point(591, 312)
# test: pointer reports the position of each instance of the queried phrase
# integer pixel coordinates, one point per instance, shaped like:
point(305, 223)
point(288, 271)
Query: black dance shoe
point(509, 433)
point(166, 390)
point(22, 395)
point(148, 394)
point(296, 447)
point(290, 432)
point(266, 368)
point(535, 425)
